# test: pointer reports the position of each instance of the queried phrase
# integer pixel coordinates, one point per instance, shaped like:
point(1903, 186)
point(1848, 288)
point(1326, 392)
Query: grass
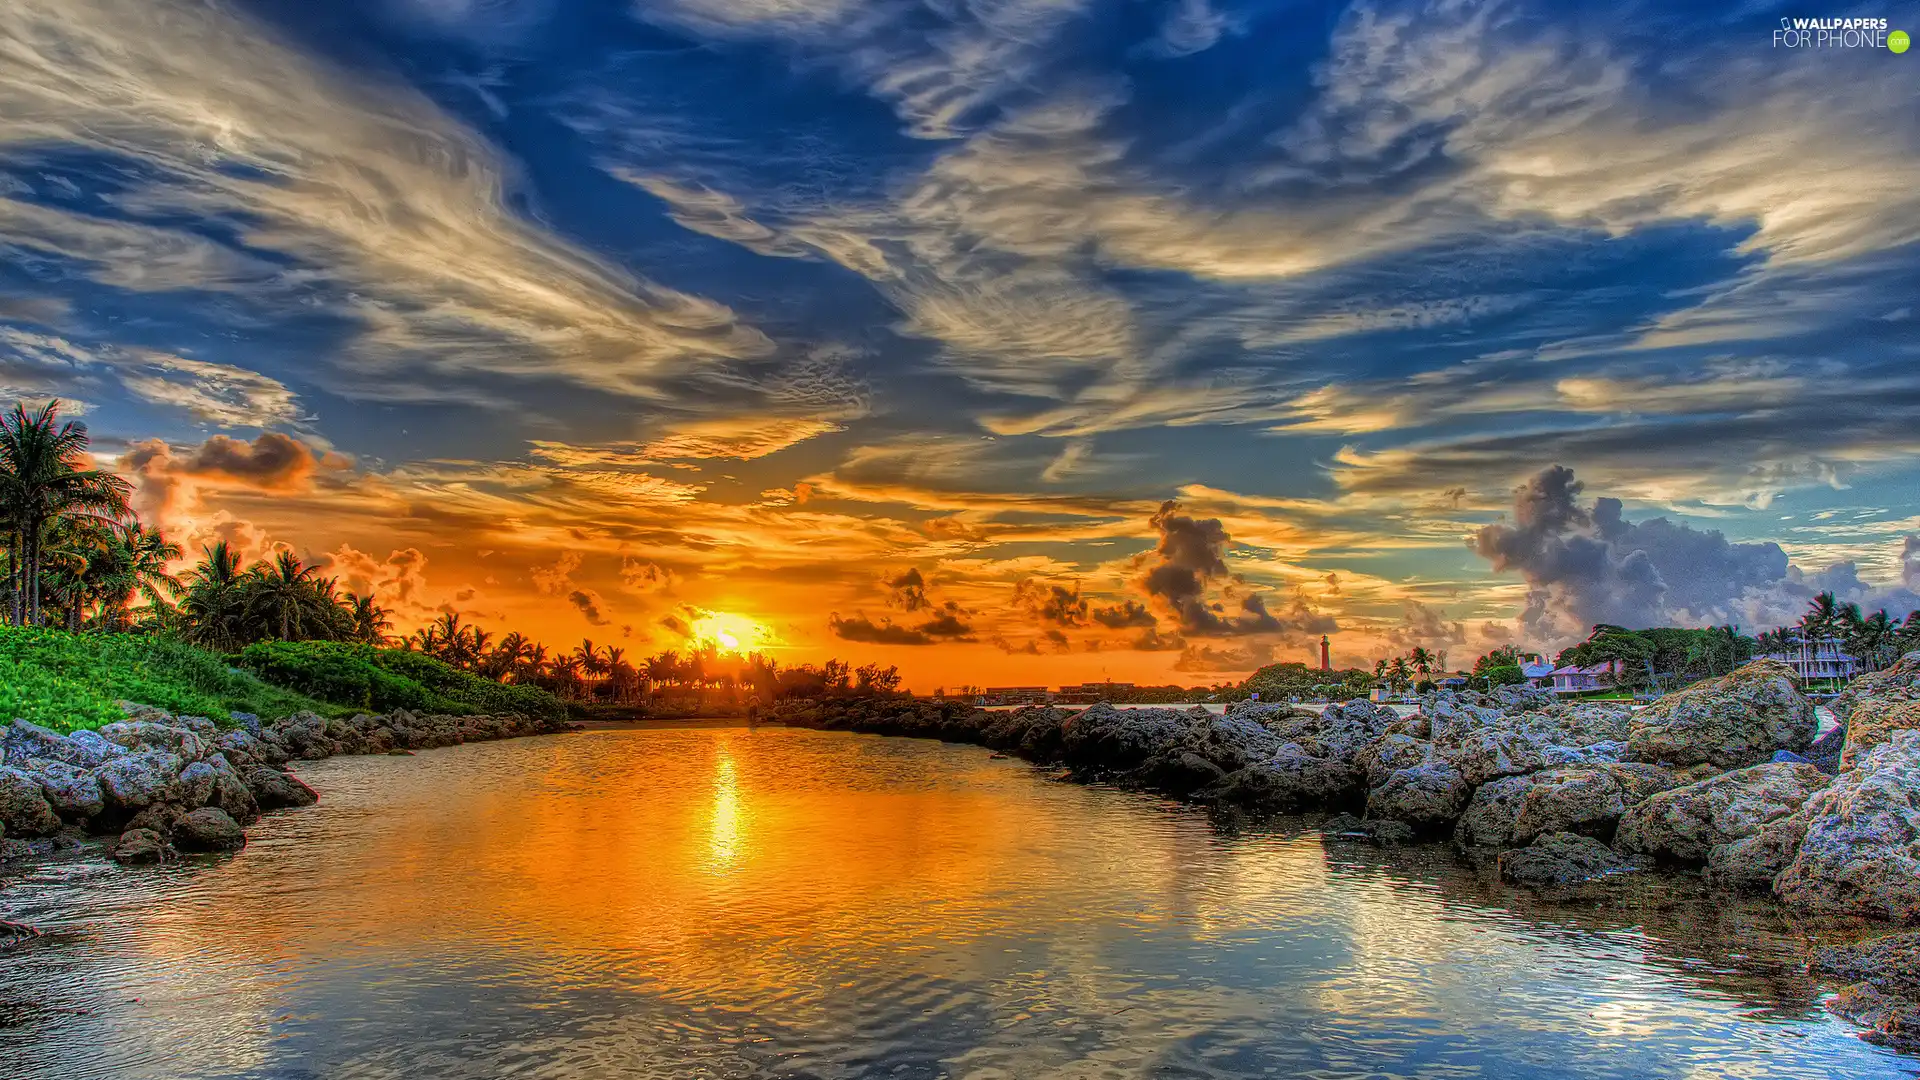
point(71, 681)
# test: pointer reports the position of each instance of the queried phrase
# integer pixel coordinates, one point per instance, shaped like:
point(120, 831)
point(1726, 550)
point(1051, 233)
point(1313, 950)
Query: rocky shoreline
point(157, 785)
point(1726, 779)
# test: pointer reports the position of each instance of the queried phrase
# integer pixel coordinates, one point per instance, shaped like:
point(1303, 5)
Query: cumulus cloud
point(643, 576)
point(166, 481)
point(1050, 602)
point(1185, 567)
point(557, 578)
point(908, 591)
point(1585, 563)
point(399, 580)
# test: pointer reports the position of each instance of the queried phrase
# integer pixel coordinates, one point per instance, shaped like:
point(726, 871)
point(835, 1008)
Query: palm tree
point(132, 564)
point(290, 602)
point(1422, 660)
point(1821, 618)
point(214, 604)
point(44, 476)
point(370, 621)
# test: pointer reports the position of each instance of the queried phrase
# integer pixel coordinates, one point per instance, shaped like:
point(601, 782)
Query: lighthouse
point(1326, 663)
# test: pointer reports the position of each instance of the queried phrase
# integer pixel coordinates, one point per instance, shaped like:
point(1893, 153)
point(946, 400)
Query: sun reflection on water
point(723, 835)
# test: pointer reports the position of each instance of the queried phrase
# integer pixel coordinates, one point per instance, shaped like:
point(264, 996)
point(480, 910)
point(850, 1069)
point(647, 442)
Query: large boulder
point(137, 781)
point(1428, 797)
point(1557, 860)
point(1394, 751)
point(244, 749)
point(1753, 862)
point(23, 807)
point(1685, 824)
point(1734, 720)
point(208, 829)
point(24, 740)
point(1861, 853)
point(1873, 721)
point(196, 784)
point(274, 790)
point(138, 735)
point(1340, 731)
point(302, 735)
point(73, 792)
point(1901, 682)
point(1489, 818)
point(1291, 779)
point(1108, 738)
point(1586, 800)
point(230, 791)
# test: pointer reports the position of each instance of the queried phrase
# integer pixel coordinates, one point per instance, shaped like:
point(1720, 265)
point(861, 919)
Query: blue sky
point(598, 316)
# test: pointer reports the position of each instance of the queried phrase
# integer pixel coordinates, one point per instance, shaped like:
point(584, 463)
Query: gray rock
point(1751, 863)
point(137, 781)
point(140, 847)
point(160, 818)
point(1290, 780)
point(196, 784)
point(73, 792)
point(24, 740)
point(247, 722)
point(303, 735)
point(1686, 823)
point(1490, 816)
point(208, 829)
point(1734, 720)
point(137, 735)
point(96, 750)
point(1861, 853)
point(244, 749)
point(23, 807)
point(1901, 682)
point(1105, 737)
point(1560, 859)
point(1428, 797)
point(274, 790)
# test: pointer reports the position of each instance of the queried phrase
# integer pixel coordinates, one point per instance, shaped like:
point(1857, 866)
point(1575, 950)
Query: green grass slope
point(70, 681)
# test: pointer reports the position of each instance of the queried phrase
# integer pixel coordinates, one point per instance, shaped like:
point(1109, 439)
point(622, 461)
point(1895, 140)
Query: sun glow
point(730, 632)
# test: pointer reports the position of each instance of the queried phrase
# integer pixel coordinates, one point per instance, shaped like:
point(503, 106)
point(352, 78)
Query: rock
point(1522, 698)
point(1428, 797)
point(1290, 780)
point(1379, 833)
point(160, 818)
point(24, 740)
point(243, 749)
point(1105, 737)
point(1229, 743)
point(208, 829)
point(303, 735)
point(230, 792)
point(23, 807)
point(137, 781)
point(73, 792)
point(1394, 751)
point(1861, 853)
point(1340, 732)
point(1176, 772)
point(137, 735)
point(274, 790)
point(1490, 816)
point(1901, 682)
point(247, 722)
point(140, 846)
point(1873, 722)
point(1560, 859)
point(1734, 720)
point(1686, 823)
point(1752, 863)
point(1884, 990)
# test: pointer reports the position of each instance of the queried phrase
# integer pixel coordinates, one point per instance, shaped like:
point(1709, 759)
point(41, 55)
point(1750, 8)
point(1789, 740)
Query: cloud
point(645, 577)
point(1224, 660)
point(590, 606)
point(216, 393)
point(558, 578)
point(375, 203)
point(1050, 603)
point(1586, 564)
point(946, 626)
point(272, 461)
point(398, 581)
point(1126, 613)
point(1190, 557)
point(908, 591)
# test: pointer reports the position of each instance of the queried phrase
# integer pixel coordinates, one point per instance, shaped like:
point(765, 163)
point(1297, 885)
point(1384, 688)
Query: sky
point(1007, 341)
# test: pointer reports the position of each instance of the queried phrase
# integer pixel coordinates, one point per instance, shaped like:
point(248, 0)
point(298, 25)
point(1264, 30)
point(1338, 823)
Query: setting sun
point(732, 633)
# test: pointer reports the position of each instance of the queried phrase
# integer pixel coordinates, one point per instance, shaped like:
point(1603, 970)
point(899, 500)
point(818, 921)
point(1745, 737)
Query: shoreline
point(155, 787)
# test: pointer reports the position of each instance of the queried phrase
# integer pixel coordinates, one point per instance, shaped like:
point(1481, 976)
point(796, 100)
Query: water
point(724, 902)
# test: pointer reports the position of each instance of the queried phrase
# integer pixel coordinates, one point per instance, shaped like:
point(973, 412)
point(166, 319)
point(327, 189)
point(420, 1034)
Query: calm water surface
point(724, 902)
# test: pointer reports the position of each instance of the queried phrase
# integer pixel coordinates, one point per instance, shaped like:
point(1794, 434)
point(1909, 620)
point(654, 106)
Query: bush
point(381, 680)
point(72, 681)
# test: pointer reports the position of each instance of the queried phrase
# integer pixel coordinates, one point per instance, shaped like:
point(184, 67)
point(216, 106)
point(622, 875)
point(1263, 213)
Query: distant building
point(1326, 658)
point(1094, 688)
point(1017, 695)
point(1536, 670)
point(1573, 679)
point(1451, 682)
point(1818, 659)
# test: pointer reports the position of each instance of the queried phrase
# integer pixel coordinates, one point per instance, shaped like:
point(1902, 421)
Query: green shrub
point(381, 680)
point(72, 681)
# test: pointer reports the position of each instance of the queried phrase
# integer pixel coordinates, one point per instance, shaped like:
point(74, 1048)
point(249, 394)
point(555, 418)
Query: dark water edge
point(675, 899)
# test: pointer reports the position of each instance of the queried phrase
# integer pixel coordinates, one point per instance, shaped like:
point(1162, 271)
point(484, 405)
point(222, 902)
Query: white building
point(1579, 680)
point(1821, 658)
